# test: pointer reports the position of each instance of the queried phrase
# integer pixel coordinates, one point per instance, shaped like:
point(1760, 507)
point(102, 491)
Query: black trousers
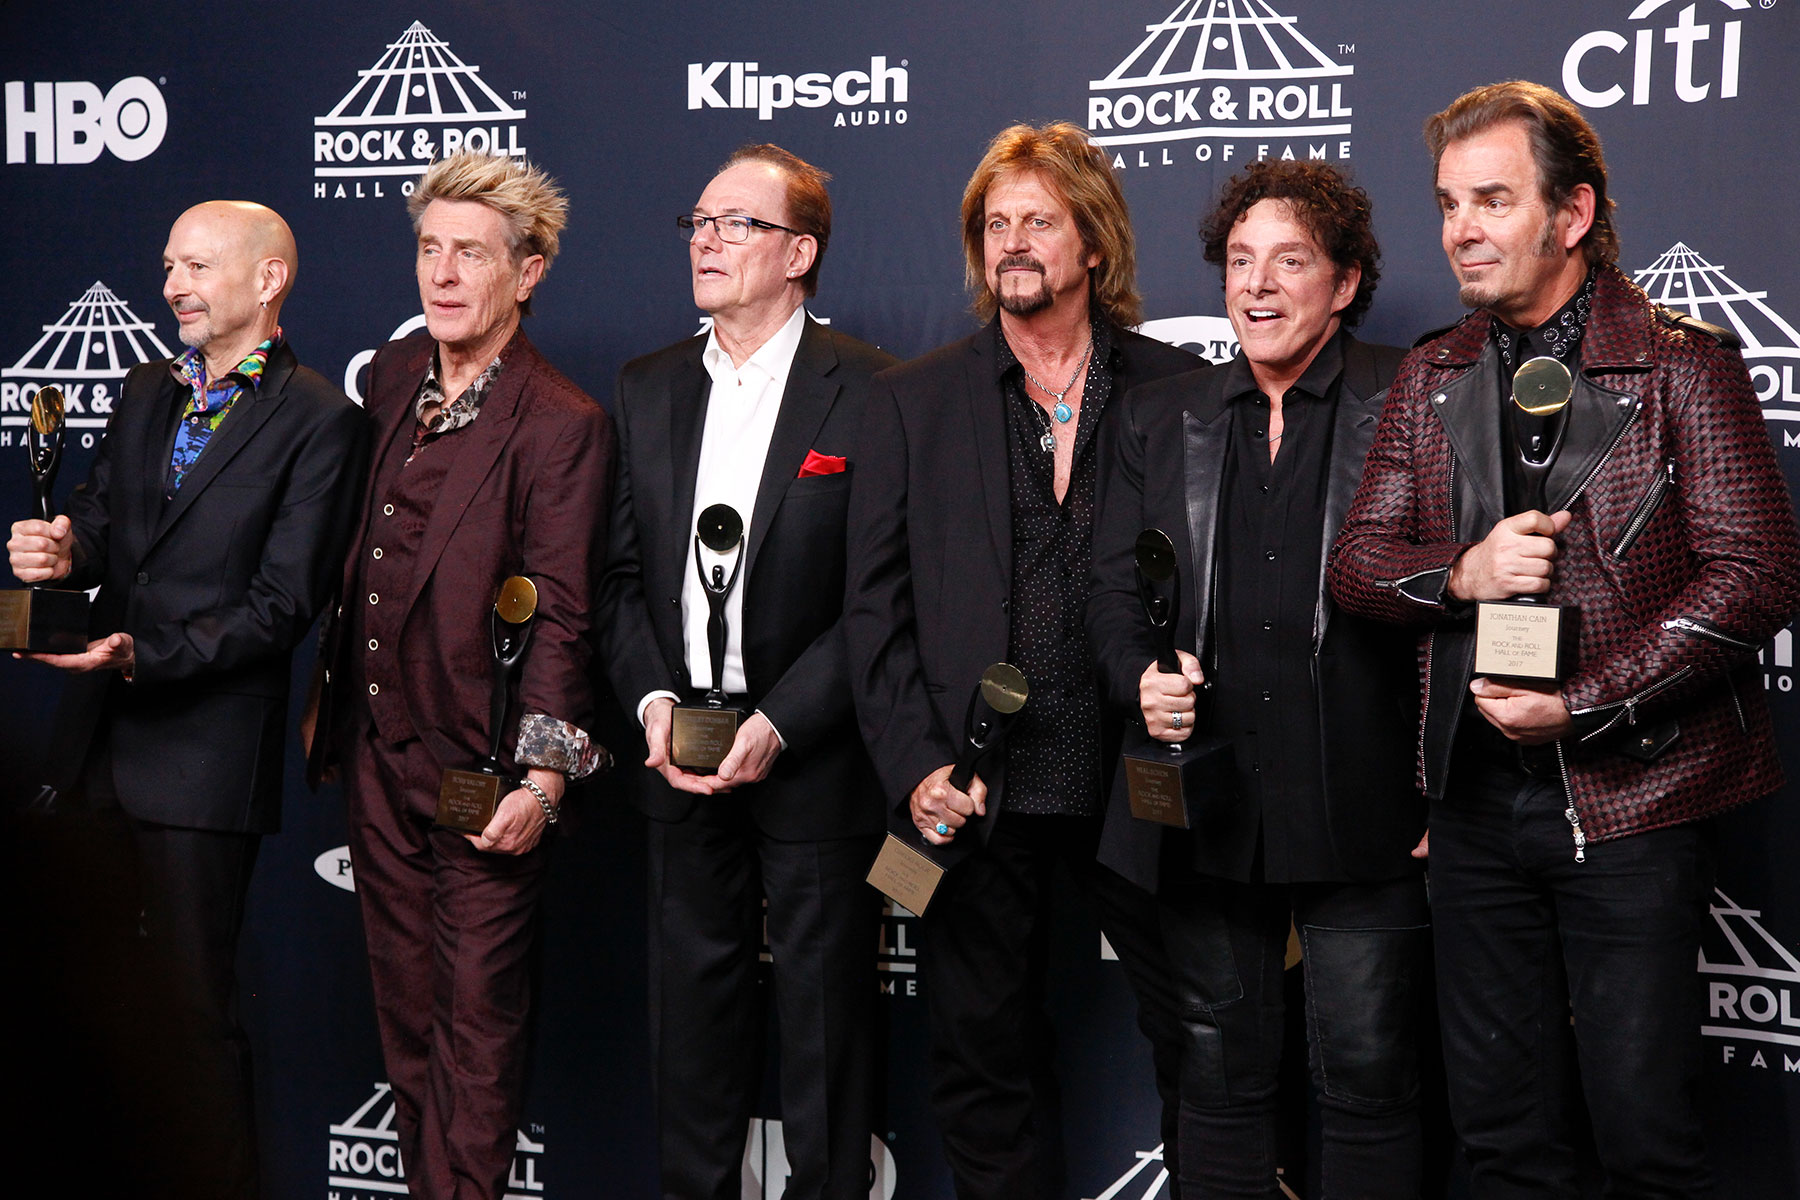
point(982, 964)
point(1364, 948)
point(139, 987)
point(709, 875)
point(1526, 937)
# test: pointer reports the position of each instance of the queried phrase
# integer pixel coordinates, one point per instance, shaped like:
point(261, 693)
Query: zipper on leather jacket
point(1628, 707)
point(1600, 464)
point(1569, 813)
point(1702, 629)
point(1646, 509)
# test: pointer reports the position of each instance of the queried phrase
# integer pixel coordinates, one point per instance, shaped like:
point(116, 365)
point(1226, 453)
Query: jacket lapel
point(987, 415)
point(690, 389)
point(804, 406)
point(249, 413)
point(1468, 408)
point(1352, 434)
point(477, 448)
point(1206, 437)
point(169, 398)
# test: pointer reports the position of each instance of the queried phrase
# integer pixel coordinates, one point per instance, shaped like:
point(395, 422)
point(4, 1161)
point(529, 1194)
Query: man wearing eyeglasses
point(756, 414)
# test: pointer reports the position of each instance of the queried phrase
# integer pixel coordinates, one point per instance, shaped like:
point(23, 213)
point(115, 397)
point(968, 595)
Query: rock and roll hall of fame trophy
point(467, 799)
point(43, 618)
point(1526, 640)
point(909, 868)
point(701, 735)
point(1169, 782)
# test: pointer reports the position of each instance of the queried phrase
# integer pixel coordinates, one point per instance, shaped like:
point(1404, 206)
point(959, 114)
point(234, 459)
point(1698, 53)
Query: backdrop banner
point(328, 111)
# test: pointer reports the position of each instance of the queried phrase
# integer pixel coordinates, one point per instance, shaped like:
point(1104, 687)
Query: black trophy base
point(1522, 642)
point(44, 621)
point(700, 736)
point(1176, 784)
point(467, 800)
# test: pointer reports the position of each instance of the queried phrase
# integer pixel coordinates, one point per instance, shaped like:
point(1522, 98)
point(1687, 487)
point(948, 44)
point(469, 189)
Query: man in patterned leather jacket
point(1570, 840)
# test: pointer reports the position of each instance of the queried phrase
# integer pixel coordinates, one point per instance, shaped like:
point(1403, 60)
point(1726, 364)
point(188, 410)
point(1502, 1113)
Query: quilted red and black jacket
point(1682, 556)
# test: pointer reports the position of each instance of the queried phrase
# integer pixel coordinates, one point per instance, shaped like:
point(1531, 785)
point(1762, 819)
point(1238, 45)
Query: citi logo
point(74, 122)
point(1750, 989)
point(737, 85)
point(85, 352)
point(1685, 56)
point(1235, 77)
point(417, 103)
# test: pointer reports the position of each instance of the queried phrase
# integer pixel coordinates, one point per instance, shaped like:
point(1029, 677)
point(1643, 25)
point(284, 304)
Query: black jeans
point(993, 1083)
point(1364, 951)
point(1527, 936)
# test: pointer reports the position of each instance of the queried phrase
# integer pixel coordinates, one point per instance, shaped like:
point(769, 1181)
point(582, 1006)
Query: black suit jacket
point(1164, 469)
point(931, 550)
point(821, 786)
point(216, 588)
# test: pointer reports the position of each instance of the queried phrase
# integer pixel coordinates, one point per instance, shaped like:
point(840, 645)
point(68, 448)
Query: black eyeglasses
point(731, 227)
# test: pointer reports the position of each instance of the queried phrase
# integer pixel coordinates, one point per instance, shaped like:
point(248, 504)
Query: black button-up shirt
point(1271, 533)
point(1053, 750)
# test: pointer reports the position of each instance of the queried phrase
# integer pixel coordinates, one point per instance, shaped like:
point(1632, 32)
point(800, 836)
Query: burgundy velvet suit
point(522, 490)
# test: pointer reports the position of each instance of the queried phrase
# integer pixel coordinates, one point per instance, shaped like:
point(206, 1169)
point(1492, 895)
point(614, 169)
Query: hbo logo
point(73, 122)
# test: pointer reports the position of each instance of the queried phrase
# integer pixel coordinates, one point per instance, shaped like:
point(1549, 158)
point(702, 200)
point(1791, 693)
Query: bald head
point(230, 264)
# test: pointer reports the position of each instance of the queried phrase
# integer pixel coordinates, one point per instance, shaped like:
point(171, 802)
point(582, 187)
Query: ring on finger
point(943, 830)
point(1175, 721)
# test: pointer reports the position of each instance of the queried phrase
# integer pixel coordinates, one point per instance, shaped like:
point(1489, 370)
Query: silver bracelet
point(543, 798)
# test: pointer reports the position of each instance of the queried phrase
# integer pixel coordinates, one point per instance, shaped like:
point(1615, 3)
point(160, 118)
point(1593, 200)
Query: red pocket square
point(821, 464)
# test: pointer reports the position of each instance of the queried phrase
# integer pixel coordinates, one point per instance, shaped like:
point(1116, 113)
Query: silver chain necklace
point(1062, 412)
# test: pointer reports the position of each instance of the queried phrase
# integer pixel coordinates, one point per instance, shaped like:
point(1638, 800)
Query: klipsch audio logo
point(1223, 81)
point(74, 122)
point(363, 1162)
point(1682, 280)
point(1751, 984)
point(86, 353)
point(1697, 61)
point(419, 102)
point(859, 97)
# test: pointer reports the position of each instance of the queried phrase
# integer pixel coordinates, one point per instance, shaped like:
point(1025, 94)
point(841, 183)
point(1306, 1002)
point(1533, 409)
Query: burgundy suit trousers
point(450, 932)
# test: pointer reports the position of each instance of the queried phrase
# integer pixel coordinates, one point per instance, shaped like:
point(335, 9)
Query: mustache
point(1014, 262)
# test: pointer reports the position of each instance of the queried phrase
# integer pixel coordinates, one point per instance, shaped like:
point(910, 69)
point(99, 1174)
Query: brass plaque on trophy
point(908, 869)
point(41, 618)
point(1526, 640)
point(468, 799)
point(1161, 778)
point(701, 735)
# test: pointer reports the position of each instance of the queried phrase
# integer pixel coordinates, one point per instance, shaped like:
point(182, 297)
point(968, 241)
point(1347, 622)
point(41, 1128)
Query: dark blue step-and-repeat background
point(118, 116)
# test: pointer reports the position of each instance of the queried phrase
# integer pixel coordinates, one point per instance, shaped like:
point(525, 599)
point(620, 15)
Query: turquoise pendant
point(1062, 413)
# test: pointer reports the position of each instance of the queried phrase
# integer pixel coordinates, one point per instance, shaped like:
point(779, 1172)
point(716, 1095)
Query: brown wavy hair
point(1564, 146)
point(1077, 170)
point(1322, 199)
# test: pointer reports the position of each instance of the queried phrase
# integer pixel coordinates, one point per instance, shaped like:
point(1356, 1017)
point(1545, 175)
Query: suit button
point(143, 577)
point(674, 602)
point(374, 689)
point(374, 645)
point(377, 552)
point(374, 599)
point(387, 510)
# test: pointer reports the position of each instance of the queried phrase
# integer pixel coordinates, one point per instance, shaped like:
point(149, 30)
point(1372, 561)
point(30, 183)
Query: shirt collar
point(772, 359)
point(190, 368)
point(1316, 381)
point(1558, 337)
point(1100, 329)
point(466, 407)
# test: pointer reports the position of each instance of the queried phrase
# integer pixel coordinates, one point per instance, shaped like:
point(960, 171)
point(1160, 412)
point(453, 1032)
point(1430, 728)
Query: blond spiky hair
point(535, 209)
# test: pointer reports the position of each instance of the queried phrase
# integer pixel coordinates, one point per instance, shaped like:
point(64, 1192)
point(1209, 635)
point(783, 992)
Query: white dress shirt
point(741, 408)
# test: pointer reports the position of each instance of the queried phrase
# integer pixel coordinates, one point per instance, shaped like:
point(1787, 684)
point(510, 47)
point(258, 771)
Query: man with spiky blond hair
point(488, 463)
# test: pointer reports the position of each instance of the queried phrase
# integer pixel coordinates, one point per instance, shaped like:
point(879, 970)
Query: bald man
point(212, 522)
